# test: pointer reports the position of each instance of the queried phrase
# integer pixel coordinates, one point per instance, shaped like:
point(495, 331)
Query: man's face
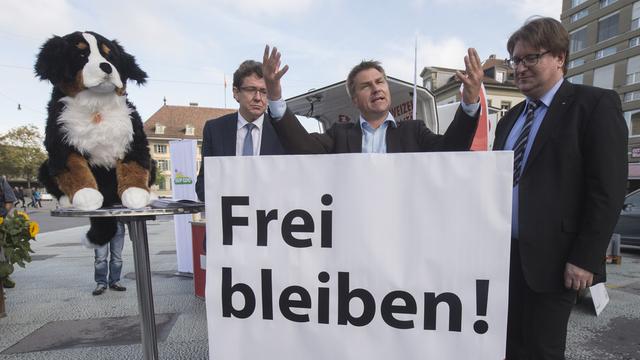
point(372, 95)
point(534, 81)
point(252, 97)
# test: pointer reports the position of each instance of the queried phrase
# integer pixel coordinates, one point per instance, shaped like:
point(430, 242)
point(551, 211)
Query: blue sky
point(187, 47)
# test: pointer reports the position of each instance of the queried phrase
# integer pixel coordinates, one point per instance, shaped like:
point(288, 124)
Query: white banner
point(183, 184)
point(358, 256)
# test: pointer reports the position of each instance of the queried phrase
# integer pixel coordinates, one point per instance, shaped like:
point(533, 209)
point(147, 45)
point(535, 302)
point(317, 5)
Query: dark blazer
point(573, 184)
point(409, 136)
point(219, 139)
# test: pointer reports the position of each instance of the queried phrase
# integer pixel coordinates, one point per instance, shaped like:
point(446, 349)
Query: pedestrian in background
point(108, 274)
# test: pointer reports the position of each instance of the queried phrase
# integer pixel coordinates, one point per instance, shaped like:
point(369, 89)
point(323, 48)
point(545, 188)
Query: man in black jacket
point(376, 131)
point(570, 172)
point(246, 132)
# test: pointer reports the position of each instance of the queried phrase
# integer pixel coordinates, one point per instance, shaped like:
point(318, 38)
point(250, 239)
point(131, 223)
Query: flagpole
point(225, 90)
point(415, 79)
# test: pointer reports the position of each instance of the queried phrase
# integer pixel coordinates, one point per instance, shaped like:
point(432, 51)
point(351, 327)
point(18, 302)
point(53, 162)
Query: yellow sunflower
point(23, 214)
point(34, 229)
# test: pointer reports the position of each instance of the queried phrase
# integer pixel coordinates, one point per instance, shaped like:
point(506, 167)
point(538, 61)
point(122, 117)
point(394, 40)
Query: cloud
point(527, 8)
point(270, 8)
point(29, 19)
point(447, 52)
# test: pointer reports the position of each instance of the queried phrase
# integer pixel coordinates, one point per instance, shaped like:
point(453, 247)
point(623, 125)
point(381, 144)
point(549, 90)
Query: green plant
point(16, 232)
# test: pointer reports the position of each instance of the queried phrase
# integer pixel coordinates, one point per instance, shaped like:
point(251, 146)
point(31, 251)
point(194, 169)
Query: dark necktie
point(247, 147)
point(521, 143)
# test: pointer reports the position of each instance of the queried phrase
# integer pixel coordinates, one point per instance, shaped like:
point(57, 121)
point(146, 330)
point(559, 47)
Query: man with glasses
point(247, 132)
point(570, 172)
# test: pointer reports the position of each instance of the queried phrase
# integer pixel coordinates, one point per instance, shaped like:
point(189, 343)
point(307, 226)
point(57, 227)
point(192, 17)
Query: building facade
point(605, 52)
point(176, 123)
point(502, 93)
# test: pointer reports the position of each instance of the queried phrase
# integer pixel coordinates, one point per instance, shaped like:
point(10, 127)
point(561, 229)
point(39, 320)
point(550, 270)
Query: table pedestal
point(140, 243)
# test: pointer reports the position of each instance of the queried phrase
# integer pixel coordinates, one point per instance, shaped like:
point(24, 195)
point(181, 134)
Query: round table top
point(163, 208)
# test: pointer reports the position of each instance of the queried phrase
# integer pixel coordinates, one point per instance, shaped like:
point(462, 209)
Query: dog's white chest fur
point(98, 125)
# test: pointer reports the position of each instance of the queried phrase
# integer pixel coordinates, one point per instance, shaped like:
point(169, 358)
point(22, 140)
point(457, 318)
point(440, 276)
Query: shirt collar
point(257, 122)
point(548, 96)
point(390, 121)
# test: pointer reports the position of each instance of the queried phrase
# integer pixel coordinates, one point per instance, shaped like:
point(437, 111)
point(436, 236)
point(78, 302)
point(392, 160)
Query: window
point(578, 40)
point(635, 15)
point(608, 27)
point(632, 96)
point(159, 129)
point(605, 52)
point(428, 84)
point(159, 149)
point(577, 79)
point(163, 165)
point(605, 3)
point(633, 122)
point(189, 130)
point(576, 62)
point(633, 70)
point(579, 15)
point(575, 3)
point(633, 42)
point(603, 77)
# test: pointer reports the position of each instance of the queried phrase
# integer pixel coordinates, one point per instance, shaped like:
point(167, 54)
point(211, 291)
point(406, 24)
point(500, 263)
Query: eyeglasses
point(527, 60)
point(253, 90)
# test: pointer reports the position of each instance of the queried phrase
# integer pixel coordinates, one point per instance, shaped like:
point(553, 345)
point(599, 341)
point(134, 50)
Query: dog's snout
point(106, 67)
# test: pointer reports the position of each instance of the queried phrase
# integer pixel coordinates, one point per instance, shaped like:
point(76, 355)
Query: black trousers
point(537, 322)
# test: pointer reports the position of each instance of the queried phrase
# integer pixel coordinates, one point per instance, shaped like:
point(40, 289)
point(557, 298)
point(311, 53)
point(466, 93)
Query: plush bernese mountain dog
point(98, 152)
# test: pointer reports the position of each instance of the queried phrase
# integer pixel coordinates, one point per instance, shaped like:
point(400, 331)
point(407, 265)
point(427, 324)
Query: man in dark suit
point(247, 132)
point(570, 171)
point(376, 131)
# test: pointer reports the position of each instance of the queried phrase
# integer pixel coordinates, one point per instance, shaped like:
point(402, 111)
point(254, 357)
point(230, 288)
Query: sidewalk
point(53, 296)
point(56, 287)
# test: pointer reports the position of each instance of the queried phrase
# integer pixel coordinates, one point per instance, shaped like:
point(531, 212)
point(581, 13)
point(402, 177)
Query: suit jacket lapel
point(552, 118)
point(509, 120)
point(354, 139)
point(228, 135)
point(392, 140)
point(268, 143)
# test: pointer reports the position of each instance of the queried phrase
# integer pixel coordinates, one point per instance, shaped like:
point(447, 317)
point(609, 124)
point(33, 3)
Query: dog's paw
point(65, 202)
point(135, 198)
point(87, 199)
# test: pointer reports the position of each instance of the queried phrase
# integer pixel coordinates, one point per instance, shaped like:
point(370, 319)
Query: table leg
point(138, 235)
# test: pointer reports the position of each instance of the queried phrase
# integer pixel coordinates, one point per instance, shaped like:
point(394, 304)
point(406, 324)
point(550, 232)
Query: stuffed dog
point(98, 153)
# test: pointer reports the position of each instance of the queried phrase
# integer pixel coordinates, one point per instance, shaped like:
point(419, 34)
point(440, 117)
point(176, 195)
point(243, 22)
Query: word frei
point(295, 302)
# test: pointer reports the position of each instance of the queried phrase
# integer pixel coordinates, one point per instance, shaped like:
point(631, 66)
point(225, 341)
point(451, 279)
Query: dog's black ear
point(128, 68)
point(51, 64)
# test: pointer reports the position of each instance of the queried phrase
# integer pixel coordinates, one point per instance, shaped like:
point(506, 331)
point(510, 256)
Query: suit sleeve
point(458, 137)
point(605, 163)
point(296, 140)
point(207, 143)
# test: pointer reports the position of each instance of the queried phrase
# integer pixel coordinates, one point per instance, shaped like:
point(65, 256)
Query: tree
point(21, 153)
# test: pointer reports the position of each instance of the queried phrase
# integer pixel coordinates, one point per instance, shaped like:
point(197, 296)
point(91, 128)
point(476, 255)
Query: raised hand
point(472, 77)
point(272, 73)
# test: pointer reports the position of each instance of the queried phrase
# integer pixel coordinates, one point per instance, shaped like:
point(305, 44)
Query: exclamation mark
point(482, 294)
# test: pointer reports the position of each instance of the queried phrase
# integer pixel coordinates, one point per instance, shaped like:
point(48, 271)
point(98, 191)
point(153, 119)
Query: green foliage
point(16, 232)
point(21, 153)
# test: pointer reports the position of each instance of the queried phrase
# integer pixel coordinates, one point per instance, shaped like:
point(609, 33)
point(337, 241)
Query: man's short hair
point(364, 65)
point(543, 33)
point(247, 68)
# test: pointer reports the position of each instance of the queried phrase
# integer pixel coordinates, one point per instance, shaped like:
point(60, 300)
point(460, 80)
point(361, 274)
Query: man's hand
point(471, 78)
point(577, 278)
point(272, 73)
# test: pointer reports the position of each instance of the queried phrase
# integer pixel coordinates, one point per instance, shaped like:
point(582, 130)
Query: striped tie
point(521, 143)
